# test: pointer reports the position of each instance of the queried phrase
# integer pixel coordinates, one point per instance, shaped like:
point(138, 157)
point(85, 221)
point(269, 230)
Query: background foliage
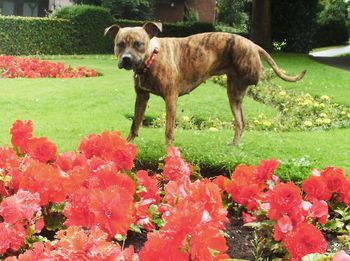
point(333, 24)
point(294, 23)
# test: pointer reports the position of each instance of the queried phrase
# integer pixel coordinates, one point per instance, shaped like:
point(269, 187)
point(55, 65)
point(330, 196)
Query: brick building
point(174, 10)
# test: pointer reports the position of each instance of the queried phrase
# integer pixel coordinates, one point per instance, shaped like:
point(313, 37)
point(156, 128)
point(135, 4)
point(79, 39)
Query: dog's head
point(132, 44)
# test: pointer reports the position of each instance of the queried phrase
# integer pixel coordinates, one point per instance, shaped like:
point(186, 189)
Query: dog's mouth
point(127, 62)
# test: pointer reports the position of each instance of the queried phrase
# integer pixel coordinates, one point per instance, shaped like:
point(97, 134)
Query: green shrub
point(332, 25)
point(89, 23)
point(130, 9)
point(293, 23)
point(173, 30)
point(23, 36)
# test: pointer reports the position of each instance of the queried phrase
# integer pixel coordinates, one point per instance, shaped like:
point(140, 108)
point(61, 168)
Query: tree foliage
point(130, 9)
point(233, 13)
point(88, 2)
point(293, 23)
point(333, 24)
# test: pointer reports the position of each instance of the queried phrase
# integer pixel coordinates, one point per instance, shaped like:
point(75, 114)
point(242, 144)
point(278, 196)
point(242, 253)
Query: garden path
point(331, 57)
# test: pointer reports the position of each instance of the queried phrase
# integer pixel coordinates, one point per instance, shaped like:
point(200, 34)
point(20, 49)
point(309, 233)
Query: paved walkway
point(329, 57)
point(336, 51)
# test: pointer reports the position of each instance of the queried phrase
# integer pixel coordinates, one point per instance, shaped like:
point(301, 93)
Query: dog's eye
point(121, 45)
point(138, 44)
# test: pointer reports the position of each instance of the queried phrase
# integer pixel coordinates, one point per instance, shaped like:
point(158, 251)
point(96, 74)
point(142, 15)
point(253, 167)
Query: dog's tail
point(264, 55)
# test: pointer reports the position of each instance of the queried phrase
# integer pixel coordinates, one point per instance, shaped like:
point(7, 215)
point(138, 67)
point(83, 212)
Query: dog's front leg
point(142, 98)
point(170, 103)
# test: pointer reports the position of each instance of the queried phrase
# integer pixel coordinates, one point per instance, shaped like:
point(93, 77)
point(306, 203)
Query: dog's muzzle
point(125, 62)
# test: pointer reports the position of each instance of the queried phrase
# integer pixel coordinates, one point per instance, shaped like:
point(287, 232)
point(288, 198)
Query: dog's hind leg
point(170, 104)
point(235, 92)
point(142, 98)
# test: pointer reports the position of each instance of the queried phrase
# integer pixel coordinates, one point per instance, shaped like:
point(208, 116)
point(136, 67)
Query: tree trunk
point(261, 24)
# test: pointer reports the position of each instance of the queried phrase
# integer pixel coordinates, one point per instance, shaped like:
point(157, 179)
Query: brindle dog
point(182, 64)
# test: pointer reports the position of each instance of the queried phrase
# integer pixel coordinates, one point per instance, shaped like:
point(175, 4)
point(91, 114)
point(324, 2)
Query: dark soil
point(239, 243)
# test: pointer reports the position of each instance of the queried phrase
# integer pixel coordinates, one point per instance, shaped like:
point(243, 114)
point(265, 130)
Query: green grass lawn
point(319, 80)
point(65, 110)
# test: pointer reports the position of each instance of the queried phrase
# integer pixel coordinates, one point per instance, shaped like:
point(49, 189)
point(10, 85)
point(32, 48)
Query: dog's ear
point(153, 28)
point(112, 30)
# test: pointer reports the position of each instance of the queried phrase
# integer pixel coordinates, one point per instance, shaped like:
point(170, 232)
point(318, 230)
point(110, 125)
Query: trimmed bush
point(173, 30)
point(23, 36)
point(89, 23)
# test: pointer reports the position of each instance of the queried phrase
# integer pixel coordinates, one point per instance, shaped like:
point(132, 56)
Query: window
point(30, 9)
point(8, 8)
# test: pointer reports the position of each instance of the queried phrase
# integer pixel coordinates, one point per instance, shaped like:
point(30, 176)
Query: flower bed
point(91, 199)
point(15, 67)
point(298, 110)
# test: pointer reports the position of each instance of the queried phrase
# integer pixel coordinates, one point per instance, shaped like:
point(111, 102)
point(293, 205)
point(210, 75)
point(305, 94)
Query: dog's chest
point(147, 84)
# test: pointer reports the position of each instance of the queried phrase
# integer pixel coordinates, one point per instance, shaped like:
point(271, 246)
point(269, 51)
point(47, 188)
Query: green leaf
point(135, 228)
point(140, 188)
point(58, 208)
point(315, 257)
point(213, 252)
point(120, 237)
point(54, 221)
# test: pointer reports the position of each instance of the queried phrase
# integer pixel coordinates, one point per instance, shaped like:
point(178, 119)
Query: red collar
point(150, 60)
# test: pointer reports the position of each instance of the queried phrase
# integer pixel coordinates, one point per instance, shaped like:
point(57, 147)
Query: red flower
point(161, 248)
point(44, 179)
point(109, 146)
point(305, 239)
point(265, 170)
point(208, 245)
point(40, 251)
point(74, 243)
point(150, 183)
point(12, 236)
point(69, 160)
point(8, 159)
point(13, 67)
point(319, 211)
point(77, 210)
point(284, 199)
point(20, 206)
point(41, 149)
point(247, 218)
point(246, 195)
point(334, 178)
point(21, 132)
point(341, 256)
point(175, 167)
point(113, 209)
point(316, 189)
point(344, 194)
point(221, 182)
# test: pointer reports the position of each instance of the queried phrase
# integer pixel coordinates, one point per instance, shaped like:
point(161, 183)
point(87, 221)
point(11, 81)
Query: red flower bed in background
point(91, 199)
point(15, 67)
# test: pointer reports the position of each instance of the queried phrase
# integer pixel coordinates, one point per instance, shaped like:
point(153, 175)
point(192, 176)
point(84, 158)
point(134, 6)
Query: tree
point(88, 2)
point(232, 13)
point(261, 24)
point(333, 24)
point(130, 9)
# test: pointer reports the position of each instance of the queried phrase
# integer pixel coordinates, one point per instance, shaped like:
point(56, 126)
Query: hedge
point(80, 32)
point(173, 29)
point(23, 36)
point(89, 23)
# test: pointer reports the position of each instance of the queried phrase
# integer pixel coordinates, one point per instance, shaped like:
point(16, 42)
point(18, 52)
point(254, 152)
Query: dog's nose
point(125, 61)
